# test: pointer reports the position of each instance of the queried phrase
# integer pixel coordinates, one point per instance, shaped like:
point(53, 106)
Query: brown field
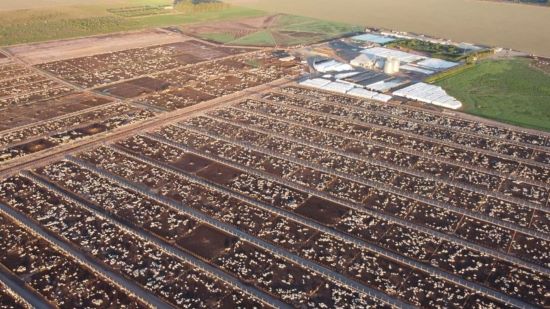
point(520, 27)
point(269, 30)
point(237, 29)
point(88, 46)
point(239, 26)
point(34, 4)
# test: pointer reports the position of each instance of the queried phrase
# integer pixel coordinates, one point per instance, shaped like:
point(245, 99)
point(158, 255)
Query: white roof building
point(386, 85)
point(332, 66)
point(429, 94)
point(370, 95)
point(412, 68)
point(373, 38)
point(385, 53)
point(345, 88)
point(437, 64)
point(339, 87)
point(315, 82)
point(364, 60)
point(345, 75)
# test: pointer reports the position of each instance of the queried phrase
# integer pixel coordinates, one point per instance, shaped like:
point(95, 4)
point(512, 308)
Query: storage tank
point(395, 65)
point(391, 66)
point(388, 66)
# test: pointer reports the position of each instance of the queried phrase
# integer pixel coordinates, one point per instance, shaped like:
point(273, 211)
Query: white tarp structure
point(385, 53)
point(363, 93)
point(332, 66)
point(315, 82)
point(373, 38)
point(371, 95)
point(345, 75)
point(367, 61)
point(429, 94)
point(416, 69)
point(339, 87)
point(386, 85)
point(437, 64)
point(345, 88)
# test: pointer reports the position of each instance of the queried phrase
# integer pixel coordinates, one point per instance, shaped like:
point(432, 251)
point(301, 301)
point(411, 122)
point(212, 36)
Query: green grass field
point(262, 38)
point(44, 20)
point(286, 31)
point(221, 37)
point(504, 90)
point(49, 23)
point(313, 25)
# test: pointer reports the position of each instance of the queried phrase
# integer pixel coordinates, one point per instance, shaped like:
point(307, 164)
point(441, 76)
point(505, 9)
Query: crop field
point(505, 90)
point(288, 196)
point(271, 30)
point(33, 4)
point(37, 24)
point(480, 22)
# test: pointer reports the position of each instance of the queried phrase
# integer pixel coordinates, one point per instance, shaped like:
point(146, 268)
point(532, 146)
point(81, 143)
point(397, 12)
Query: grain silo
point(391, 66)
point(395, 65)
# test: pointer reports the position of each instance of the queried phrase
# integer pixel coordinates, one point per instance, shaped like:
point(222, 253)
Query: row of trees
point(199, 5)
point(179, 2)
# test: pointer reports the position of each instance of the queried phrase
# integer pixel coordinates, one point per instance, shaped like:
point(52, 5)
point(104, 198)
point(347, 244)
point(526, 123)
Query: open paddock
point(101, 69)
point(286, 196)
point(34, 115)
point(54, 133)
point(320, 258)
point(428, 219)
point(46, 269)
point(186, 242)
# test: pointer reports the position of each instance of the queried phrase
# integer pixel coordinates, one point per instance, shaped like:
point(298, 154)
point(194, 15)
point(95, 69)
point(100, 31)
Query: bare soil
point(237, 29)
point(25, 114)
point(125, 90)
point(192, 163)
point(219, 173)
point(322, 210)
point(150, 83)
point(92, 129)
point(74, 48)
point(207, 242)
point(187, 59)
point(193, 94)
point(36, 146)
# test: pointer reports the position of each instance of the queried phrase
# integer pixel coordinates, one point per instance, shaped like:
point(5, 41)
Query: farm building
point(429, 94)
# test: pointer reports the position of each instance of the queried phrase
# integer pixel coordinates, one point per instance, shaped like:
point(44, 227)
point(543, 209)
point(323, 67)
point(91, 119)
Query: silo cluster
point(391, 65)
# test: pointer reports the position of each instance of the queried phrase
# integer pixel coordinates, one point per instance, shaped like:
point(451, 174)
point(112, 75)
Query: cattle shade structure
point(337, 86)
point(413, 68)
point(387, 85)
point(386, 53)
point(373, 38)
point(429, 94)
point(367, 94)
point(315, 82)
point(345, 88)
point(331, 66)
point(436, 64)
